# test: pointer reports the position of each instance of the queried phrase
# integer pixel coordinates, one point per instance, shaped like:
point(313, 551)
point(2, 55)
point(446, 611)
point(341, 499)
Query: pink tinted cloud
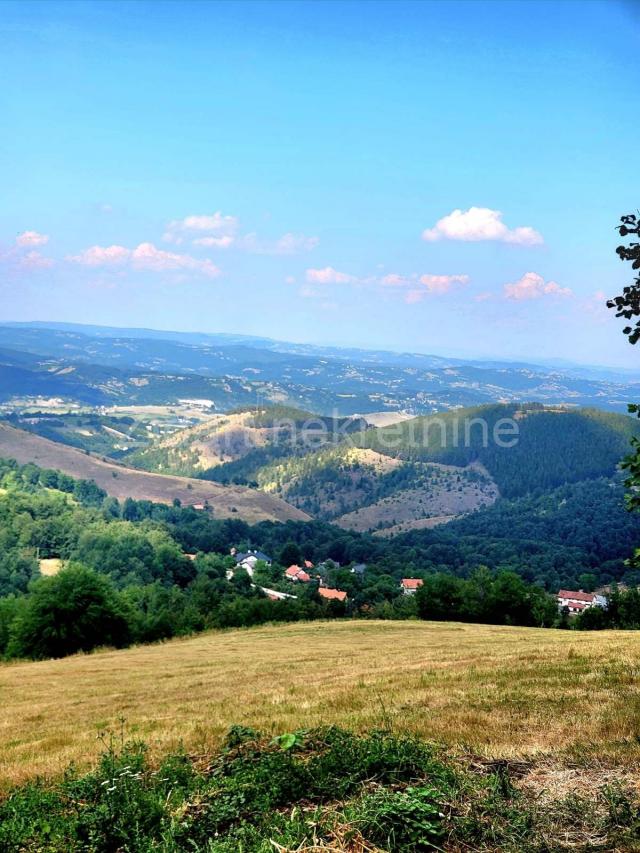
point(442, 283)
point(102, 256)
point(29, 239)
point(431, 284)
point(480, 223)
point(533, 286)
point(393, 279)
point(145, 256)
point(328, 275)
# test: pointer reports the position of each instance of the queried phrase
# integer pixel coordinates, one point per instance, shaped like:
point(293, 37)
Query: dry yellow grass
point(499, 691)
point(49, 566)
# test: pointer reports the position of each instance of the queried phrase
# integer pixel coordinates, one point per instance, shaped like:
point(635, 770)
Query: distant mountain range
point(104, 366)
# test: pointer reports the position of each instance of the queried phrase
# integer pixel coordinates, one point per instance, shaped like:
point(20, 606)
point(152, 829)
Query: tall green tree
point(76, 610)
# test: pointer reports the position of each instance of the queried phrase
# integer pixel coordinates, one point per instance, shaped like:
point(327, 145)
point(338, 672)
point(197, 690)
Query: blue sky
point(436, 177)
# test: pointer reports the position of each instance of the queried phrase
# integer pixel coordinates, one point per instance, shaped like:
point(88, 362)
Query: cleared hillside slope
point(122, 482)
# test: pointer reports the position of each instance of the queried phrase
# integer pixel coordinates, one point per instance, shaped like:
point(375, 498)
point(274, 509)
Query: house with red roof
point(295, 573)
point(410, 586)
point(332, 594)
point(576, 600)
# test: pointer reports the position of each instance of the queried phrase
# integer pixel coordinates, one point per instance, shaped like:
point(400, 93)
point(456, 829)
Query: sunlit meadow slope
point(496, 690)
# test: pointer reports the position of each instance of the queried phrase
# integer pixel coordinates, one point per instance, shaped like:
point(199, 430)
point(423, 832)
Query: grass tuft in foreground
point(322, 789)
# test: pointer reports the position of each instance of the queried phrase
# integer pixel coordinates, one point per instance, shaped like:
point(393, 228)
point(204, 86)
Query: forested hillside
point(552, 447)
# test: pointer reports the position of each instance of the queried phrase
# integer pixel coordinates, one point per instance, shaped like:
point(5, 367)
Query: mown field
point(493, 691)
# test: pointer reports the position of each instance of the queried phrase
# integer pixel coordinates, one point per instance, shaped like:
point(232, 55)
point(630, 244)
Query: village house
point(296, 573)
point(332, 594)
point(247, 560)
point(577, 600)
point(410, 586)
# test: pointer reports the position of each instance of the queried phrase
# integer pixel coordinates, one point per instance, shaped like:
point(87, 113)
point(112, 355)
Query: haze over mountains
point(104, 366)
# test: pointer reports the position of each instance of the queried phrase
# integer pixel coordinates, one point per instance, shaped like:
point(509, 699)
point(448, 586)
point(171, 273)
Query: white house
point(410, 586)
point(578, 600)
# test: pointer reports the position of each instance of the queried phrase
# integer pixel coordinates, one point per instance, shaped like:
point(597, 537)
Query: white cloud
point(328, 275)
point(31, 238)
point(215, 224)
point(102, 256)
point(215, 242)
point(533, 286)
point(480, 223)
point(393, 279)
point(432, 284)
point(145, 256)
point(442, 283)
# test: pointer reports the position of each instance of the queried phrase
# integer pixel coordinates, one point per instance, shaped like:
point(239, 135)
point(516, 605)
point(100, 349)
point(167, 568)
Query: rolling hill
point(122, 482)
point(553, 446)
point(233, 447)
point(104, 366)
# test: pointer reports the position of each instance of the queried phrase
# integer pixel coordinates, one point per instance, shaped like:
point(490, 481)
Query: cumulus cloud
point(328, 275)
point(195, 226)
point(145, 256)
point(102, 256)
point(29, 239)
point(23, 255)
point(217, 231)
point(431, 284)
point(480, 223)
point(533, 286)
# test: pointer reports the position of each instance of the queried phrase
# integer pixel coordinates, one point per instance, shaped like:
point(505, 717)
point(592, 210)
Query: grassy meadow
point(499, 692)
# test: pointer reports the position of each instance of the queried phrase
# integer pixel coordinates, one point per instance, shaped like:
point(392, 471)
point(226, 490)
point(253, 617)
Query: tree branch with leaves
point(627, 305)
